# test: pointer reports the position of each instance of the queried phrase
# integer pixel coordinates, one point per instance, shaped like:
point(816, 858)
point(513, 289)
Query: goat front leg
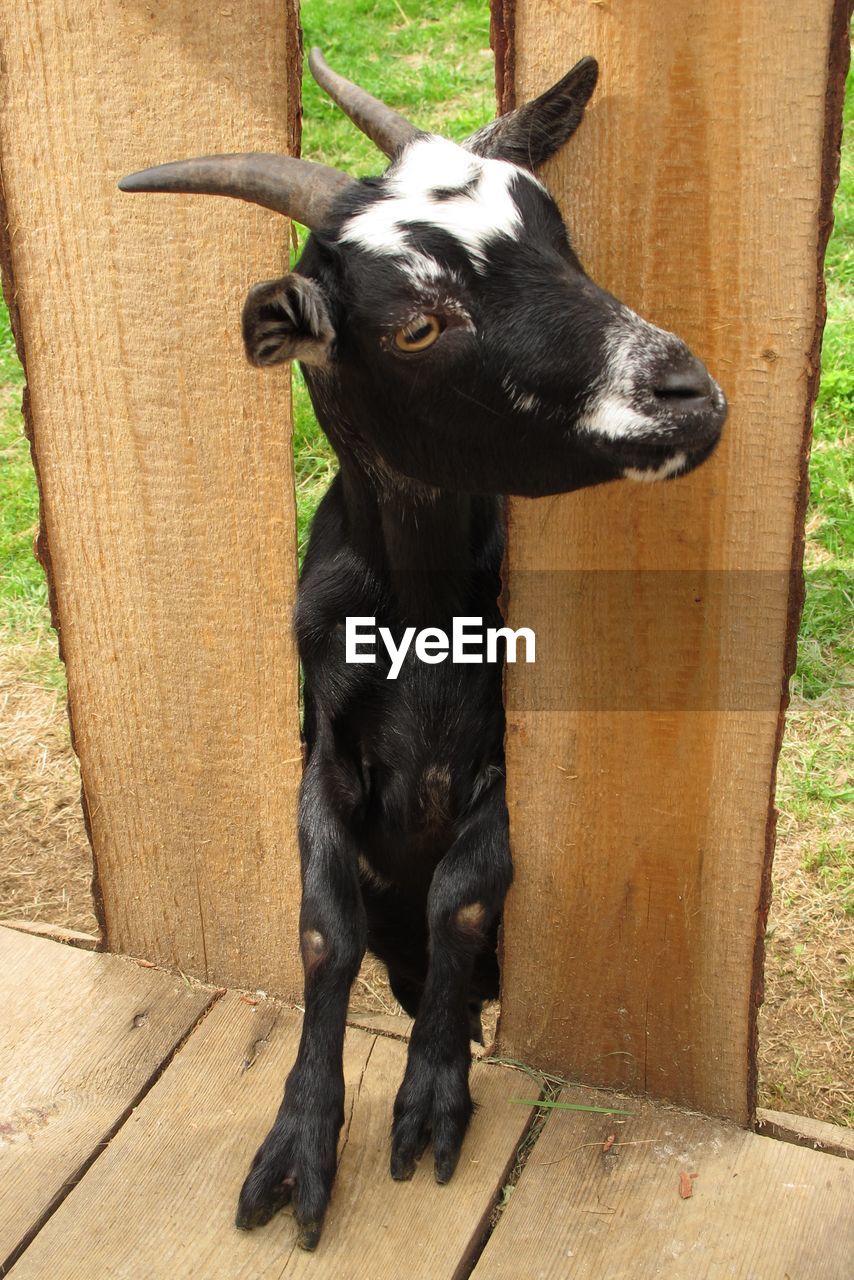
point(297, 1159)
point(466, 895)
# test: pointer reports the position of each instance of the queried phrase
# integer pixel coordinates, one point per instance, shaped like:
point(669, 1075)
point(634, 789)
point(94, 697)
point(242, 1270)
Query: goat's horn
point(385, 127)
point(298, 188)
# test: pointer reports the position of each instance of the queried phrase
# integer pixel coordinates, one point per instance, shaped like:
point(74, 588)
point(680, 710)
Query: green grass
point(831, 864)
point(825, 645)
point(24, 615)
point(430, 59)
point(22, 589)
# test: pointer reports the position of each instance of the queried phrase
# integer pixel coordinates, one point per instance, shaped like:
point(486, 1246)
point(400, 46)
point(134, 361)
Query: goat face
point(456, 331)
point(449, 333)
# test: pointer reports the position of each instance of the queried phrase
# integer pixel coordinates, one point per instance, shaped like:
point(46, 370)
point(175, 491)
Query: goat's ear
point(531, 134)
point(287, 319)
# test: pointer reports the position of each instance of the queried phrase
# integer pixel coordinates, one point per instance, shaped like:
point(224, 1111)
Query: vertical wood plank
point(641, 788)
point(164, 461)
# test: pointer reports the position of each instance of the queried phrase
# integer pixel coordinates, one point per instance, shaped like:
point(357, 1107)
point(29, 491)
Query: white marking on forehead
point(428, 274)
point(473, 217)
point(647, 475)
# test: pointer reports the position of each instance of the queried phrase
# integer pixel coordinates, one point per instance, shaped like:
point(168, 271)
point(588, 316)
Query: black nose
point(687, 380)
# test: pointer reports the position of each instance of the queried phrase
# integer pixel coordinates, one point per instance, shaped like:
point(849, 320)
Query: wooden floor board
point(160, 1201)
point(835, 1139)
point(84, 1037)
point(759, 1209)
point(81, 1037)
point(164, 462)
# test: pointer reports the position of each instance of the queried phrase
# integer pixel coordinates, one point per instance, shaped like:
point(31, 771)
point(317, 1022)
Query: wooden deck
point(131, 1102)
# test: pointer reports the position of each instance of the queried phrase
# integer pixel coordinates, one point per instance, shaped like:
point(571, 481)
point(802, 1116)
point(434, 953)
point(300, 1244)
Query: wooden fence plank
point(645, 823)
point(641, 787)
point(190, 1142)
point(756, 1209)
point(81, 1037)
point(164, 461)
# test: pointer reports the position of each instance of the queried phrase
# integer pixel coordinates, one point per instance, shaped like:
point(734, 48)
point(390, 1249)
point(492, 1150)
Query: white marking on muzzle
point(634, 348)
point(649, 475)
point(524, 401)
point(611, 415)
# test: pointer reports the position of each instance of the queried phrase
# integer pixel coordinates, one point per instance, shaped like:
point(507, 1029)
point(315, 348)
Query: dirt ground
point(806, 1053)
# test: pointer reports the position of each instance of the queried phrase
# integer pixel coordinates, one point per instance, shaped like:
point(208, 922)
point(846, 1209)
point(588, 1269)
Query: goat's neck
point(439, 552)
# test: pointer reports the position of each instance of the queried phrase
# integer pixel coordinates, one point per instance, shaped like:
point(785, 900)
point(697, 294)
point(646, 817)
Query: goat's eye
point(419, 334)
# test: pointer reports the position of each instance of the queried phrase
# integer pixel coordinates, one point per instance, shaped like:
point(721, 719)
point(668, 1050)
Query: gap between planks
point(56, 933)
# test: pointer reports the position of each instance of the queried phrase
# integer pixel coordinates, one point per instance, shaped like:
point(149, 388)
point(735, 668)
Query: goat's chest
point(435, 741)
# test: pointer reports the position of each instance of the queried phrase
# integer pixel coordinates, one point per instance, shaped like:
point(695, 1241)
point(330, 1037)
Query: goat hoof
point(406, 1152)
point(433, 1103)
point(295, 1163)
point(308, 1235)
point(402, 1167)
point(445, 1164)
point(259, 1203)
point(403, 1162)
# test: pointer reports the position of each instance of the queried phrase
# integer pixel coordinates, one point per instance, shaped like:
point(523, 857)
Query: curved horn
point(299, 188)
point(385, 127)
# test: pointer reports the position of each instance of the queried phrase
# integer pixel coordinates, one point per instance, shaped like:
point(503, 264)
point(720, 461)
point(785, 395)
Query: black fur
point(403, 825)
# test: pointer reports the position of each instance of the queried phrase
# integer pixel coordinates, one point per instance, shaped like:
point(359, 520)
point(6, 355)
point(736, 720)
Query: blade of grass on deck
point(672, 1194)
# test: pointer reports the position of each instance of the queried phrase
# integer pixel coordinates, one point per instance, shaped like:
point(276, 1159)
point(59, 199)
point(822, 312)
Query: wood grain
point(81, 1038)
point(804, 1131)
point(641, 787)
point(164, 461)
point(55, 932)
point(758, 1209)
point(160, 1201)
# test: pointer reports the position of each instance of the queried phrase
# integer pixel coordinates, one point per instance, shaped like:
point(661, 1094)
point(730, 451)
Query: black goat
point(455, 351)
